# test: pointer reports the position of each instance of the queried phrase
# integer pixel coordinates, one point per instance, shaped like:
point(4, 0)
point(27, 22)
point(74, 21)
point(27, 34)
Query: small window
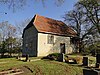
point(50, 39)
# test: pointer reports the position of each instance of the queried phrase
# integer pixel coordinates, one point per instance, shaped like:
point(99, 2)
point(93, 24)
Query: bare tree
point(84, 18)
point(16, 4)
point(21, 25)
point(7, 31)
point(91, 9)
point(3, 29)
point(75, 19)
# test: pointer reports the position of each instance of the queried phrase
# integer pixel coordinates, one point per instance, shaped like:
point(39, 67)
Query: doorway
point(62, 47)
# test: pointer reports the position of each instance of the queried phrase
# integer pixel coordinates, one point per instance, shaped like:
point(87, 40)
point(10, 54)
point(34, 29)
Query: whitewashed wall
point(44, 48)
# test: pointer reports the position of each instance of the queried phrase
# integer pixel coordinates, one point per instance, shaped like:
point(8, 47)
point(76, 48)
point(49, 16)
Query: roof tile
point(44, 24)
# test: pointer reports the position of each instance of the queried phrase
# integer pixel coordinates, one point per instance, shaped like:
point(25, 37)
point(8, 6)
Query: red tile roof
point(48, 25)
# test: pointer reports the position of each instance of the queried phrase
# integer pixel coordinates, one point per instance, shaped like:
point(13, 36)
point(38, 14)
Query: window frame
point(50, 39)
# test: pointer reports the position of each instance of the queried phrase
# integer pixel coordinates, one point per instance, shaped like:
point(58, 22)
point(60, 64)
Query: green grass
point(54, 68)
point(41, 67)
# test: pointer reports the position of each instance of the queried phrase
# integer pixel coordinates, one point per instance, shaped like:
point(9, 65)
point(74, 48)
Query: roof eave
point(67, 35)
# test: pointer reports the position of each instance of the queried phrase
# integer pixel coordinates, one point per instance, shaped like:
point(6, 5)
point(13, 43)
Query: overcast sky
point(50, 10)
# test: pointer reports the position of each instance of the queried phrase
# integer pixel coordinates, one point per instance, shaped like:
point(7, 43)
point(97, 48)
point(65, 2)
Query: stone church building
point(43, 36)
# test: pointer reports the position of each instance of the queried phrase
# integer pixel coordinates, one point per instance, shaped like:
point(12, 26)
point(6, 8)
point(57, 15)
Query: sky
point(49, 10)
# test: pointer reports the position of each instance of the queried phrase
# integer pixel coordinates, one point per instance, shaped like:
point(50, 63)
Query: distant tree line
point(11, 38)
point(9, 43)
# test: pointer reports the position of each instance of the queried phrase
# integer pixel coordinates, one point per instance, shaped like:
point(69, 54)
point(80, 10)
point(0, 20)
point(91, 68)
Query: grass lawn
point(40, 67)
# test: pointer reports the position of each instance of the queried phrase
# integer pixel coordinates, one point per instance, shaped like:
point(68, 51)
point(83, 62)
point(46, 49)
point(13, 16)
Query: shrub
point(53, 56)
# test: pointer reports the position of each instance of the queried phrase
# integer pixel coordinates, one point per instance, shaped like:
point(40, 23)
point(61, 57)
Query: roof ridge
point(48, 18)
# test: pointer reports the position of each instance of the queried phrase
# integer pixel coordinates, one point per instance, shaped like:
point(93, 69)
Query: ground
point(41, 67)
